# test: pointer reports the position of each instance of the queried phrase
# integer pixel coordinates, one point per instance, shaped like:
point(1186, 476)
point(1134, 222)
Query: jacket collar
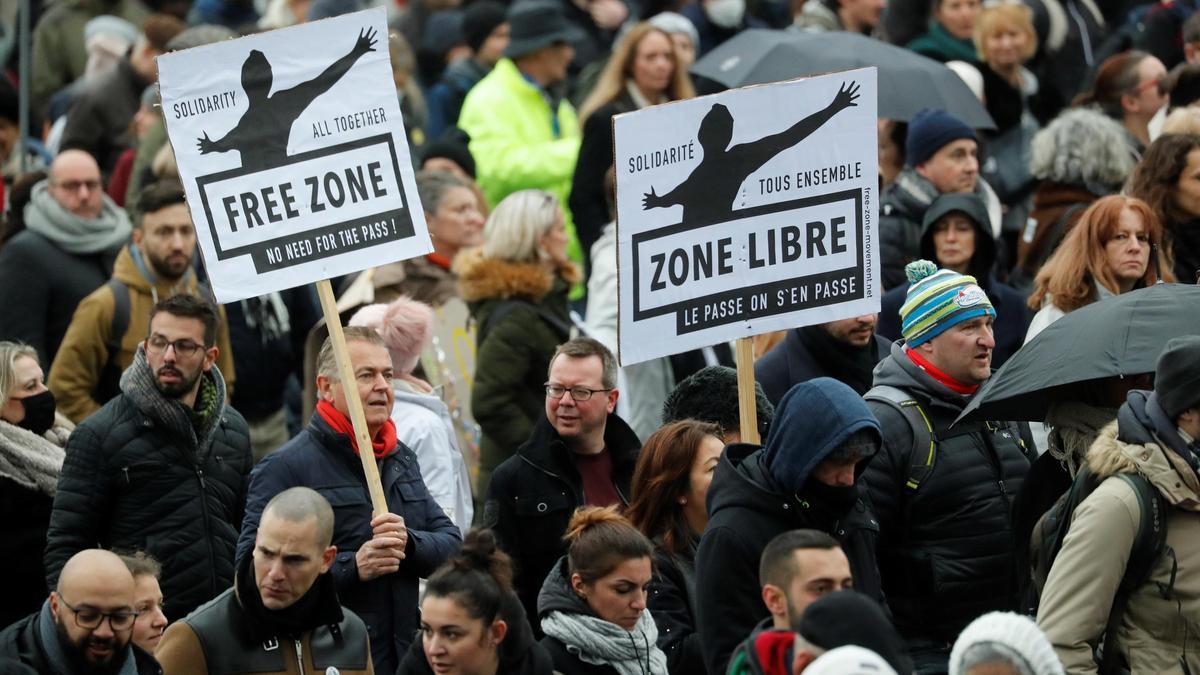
point(897, 370)
point(546, 450)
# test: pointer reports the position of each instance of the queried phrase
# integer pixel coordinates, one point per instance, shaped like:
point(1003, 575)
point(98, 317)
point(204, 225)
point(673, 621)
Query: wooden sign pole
point(747, 408)
point(346, 374)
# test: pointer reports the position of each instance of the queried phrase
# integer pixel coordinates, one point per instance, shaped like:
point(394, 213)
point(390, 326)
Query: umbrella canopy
point(1115, 337)
point(908, 82)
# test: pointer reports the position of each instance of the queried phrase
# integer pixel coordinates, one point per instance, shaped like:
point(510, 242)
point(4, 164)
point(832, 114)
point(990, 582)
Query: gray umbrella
point(908, 82)
point(1115, 337)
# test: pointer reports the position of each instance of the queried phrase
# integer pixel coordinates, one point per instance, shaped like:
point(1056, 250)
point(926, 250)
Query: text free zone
point(780, 246)
point(277, 203)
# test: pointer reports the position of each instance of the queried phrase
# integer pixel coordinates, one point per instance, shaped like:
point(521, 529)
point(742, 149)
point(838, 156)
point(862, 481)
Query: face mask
point(39, 412)
point(726, 13)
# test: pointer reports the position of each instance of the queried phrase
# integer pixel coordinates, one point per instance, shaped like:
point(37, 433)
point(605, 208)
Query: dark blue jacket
point(324, 460)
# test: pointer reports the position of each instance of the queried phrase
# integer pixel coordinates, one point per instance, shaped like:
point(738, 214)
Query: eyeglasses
point(73, 185)
point(157, 344)
point(90, 617)
point(577, 393)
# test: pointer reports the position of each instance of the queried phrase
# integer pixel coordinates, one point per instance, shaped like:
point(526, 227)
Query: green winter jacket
point(514, 142)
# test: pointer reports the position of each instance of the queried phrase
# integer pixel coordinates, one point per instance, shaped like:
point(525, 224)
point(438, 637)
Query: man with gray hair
point(283, 592)
point(579, 443)
point(380, 557)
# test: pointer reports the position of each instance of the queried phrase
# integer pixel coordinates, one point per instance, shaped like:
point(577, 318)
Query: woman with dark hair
point(593, 603)
point(950, 32)
point(1129, 88)
point(674, 470)
point(471, 621)
point(1168, 179)
point(1114, 248)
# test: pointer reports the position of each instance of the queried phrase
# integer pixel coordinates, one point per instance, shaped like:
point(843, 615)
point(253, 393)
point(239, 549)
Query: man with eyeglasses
point(72, 235)
point(85, 627)
point(163, 467)
point(579, 454)
point(108, 325)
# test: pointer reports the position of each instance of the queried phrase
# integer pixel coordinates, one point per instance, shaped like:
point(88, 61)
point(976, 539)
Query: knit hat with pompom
point(938, 299)
point(405, 325)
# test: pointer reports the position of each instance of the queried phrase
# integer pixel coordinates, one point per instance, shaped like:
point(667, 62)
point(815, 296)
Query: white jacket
point(423, 424)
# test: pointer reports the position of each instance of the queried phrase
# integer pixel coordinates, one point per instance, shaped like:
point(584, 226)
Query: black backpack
point(1149, 544)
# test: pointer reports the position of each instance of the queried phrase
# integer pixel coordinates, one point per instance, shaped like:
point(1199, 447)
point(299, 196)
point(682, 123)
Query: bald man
point(86, 625)
point(283, 594)
point(73, 233)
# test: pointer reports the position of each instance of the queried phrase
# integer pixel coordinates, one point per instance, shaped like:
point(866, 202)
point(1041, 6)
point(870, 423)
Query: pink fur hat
point(405, 325)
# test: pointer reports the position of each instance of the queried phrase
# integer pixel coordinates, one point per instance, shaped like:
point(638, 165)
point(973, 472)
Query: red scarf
point(383, 443)
point(944, 379)
point(439, 260)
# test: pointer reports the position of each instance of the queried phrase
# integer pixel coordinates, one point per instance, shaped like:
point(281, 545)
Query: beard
point(177, 389)
point(76, 653)
point(169, 268)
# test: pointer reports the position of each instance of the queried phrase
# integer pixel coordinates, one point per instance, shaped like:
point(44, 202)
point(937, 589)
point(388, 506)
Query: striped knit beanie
point(938, 299)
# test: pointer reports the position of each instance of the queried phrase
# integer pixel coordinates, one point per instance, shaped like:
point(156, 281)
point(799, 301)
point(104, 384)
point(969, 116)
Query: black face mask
point(39, 412)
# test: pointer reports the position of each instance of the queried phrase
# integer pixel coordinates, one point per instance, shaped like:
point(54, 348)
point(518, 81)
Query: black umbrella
point(1115, 337)
point(908, 81)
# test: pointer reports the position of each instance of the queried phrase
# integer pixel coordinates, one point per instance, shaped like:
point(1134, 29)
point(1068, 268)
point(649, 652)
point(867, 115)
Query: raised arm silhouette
point(261, 135)
point(708, 193)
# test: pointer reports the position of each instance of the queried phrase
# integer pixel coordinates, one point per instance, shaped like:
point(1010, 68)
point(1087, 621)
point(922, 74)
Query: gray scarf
point(32, 461)
point(107, 232)
point(59, 663)
point(137, 382)
point(1073, 428)
point(599, 642)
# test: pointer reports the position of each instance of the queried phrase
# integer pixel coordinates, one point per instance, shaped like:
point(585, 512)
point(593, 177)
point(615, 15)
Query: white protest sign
point(292, 153)
point(745, 212)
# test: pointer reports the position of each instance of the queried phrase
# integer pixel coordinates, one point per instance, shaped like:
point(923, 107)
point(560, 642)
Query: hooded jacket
point(534, 493)
point(1158, 632)
point(748, 507)
point(512, 360)
point(902, 213)
point(1012, 315)
point(135, 480)
point(519, 653)
point(423, 424)
point(946, 550)
point(80, 364)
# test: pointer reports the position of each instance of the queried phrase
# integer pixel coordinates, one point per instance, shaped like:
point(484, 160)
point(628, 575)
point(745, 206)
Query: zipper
point(212, 557)
point(299, 657)
point(578, 495)
point(996, 462)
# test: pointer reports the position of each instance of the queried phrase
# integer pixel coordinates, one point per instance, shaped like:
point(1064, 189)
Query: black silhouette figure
point(711, 188)
point(261, 136)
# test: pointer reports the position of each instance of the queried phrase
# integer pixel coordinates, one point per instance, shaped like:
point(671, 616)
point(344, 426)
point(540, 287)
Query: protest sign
point(292, 153)
point(746, 212)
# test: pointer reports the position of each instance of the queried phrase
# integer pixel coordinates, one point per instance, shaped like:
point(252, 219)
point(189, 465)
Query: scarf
point(60, 662)
point(382, 445)
point(439, 260)
point(941, 377)
point(852, 365)
point(598, 642)
point(947, 45)
point(318, 607)
point(1073, 428)
point(195, 426)
point(106, 233)
point(30, 460)
point(639, 99)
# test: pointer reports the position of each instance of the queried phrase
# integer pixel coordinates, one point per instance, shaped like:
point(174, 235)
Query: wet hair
point(1156, 177)
point(662, 476)
point(1116, 77)
point(191, 307)
point(327, 363)
point(600, 539)
point(297, 505)
point(141, 564)
point(478, 577)
point(777, 566)
point(583, 347)
point(9, 353)
point(1080, 261)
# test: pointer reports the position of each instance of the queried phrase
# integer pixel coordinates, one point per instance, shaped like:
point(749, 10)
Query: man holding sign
point(380, 556)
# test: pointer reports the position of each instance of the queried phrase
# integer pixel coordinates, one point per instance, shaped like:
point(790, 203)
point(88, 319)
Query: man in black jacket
point(283, 593)
point(805, 477)
point(162, 467)
point(846, 350)
point(85, 626)
point(943, 493)
point(580, 454)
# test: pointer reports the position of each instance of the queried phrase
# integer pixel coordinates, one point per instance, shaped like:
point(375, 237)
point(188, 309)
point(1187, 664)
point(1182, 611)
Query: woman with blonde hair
point(644, 70)
point(1115, 247)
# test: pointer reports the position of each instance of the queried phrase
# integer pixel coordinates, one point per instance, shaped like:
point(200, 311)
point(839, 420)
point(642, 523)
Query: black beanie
point(850, 618)
point(453, 145)
point(479, 20)
point(931, 130)
point(1177, 376)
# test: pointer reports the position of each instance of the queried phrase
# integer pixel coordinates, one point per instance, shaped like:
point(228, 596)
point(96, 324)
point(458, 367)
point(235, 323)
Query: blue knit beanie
point(930, 131)
point(938, 299)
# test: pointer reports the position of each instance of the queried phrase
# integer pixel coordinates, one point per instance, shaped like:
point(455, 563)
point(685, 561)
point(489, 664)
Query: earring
point(683, 500)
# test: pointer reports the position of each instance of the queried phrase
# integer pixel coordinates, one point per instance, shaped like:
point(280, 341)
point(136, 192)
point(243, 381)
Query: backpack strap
point(109, 383)
point(923, 454)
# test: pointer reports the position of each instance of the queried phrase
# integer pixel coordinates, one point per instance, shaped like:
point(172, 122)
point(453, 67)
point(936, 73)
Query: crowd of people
point(180, 483)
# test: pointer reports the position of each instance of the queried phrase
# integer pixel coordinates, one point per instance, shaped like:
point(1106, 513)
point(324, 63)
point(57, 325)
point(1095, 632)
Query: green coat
point(511, 364)
point(513, 140)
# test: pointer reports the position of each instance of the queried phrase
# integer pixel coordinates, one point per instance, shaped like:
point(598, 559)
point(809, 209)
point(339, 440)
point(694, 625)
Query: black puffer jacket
point(672, 603)
point(130, 482)
point(945, 551)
